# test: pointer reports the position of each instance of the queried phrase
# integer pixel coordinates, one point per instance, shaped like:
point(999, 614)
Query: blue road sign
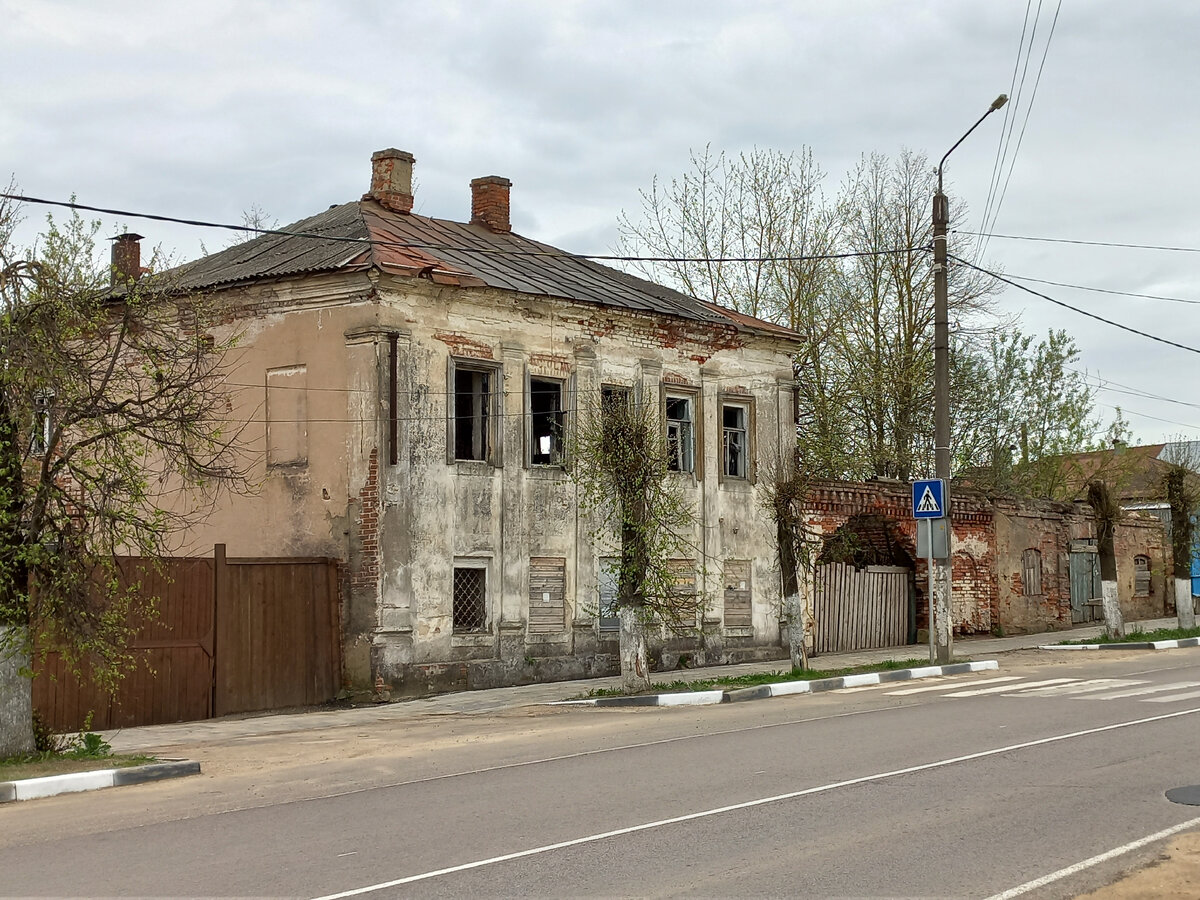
point(929, 498)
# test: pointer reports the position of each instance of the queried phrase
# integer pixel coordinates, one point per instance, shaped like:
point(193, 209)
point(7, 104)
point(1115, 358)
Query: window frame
point(1144, 574)
point(492, 434)
point(475, 565)
point(558, 454)
point(745, 403)
point(695, 407)
point(608, 569)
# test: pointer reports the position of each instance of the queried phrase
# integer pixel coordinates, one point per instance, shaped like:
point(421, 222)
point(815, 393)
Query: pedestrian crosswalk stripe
point(1145, 689)
point(1172, 698)
point(945, 686)
point(1080, 687)
point(1009, 687)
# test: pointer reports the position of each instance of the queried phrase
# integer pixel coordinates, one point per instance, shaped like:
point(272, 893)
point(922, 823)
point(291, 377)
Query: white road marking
point(949, 687)
point(1148, 689)
point(791, 795)
point(1094, 861)
point(1173, 698)
point(1080, 687)
point(1009, 687)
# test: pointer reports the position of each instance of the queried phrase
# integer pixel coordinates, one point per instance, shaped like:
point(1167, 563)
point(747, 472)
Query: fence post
point(219, 590)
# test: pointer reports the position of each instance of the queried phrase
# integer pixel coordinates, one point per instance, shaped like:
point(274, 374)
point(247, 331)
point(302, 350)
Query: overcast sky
point(202, 110)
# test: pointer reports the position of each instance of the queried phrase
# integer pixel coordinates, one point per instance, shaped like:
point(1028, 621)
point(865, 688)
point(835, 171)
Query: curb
point(783, 688)
point(51, 785)
point(1128, 645)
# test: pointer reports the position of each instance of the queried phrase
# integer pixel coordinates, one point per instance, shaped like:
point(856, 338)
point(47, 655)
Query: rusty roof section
point(366, 235)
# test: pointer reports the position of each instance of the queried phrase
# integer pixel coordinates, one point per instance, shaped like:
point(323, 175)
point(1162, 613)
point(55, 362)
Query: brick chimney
point(489, 203)
point(391, 179)
point(126, 257)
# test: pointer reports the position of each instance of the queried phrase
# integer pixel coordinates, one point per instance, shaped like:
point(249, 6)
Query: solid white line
point(949, 686)
point(748, 804)
point(1010, 687)
point(1093, 861)
point(1150, 689)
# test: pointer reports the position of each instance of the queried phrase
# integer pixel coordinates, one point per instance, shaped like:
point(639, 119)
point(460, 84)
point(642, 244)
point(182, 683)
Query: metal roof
point(365, 234)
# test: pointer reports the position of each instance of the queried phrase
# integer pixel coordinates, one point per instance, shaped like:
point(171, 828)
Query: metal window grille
point(470, 599)
point(1031, 572)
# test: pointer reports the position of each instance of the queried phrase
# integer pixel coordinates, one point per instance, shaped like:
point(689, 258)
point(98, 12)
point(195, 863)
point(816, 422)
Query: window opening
point(734, 440)
point(609, 571)
point(39, 442)
point(1031, 572)
point(546, 427)
point(1142, 586)
point(472, 399)
point(470, 599)
point(680, 443)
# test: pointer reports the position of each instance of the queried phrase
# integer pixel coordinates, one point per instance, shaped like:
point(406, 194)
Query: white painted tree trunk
point(635, 665)
point(16, 695)
point(1183, 603)
point(1114, 624)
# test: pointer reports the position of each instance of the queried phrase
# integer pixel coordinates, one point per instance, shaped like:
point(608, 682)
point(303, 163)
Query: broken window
point(610, 567)
point(735, 440)
point(1142, 585)
point(680, 439)
point(39, 439)
point(470, 599)
point(472, 420)
point(611, 395)
point(1031, 572)
point(546, 422)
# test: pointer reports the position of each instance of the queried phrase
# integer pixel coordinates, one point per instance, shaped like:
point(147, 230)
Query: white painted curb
point(691, 698)
point(48, 786)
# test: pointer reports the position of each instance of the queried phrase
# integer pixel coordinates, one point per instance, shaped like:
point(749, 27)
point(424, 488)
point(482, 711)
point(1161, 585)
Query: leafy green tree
point(620, 460)
point(113, 436)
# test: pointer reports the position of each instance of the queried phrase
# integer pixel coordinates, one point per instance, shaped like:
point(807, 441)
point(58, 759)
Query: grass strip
point(39, 765)
point(756, 678)
point(1138, 637)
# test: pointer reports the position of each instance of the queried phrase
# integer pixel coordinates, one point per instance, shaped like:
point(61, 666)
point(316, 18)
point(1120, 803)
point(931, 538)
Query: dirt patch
point(1175, 875)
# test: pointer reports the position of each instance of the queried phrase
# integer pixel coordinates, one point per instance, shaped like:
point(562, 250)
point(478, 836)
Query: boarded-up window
point(547, 588)
point(287, 416)
point(738, 612)
point(1031, 572)
point(683, 577)
point(609, 570)
point(1142, 585)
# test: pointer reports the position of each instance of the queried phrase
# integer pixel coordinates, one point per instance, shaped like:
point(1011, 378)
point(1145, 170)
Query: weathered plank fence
point(860, 609)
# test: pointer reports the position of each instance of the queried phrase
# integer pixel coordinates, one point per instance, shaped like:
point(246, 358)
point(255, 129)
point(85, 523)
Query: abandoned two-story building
point(408, 385)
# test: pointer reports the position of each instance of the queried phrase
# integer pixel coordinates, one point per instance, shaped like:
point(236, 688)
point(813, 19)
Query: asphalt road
point(963, 787)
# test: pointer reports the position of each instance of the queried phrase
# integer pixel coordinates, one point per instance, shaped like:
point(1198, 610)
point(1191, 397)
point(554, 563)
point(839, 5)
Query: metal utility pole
point(941, 627)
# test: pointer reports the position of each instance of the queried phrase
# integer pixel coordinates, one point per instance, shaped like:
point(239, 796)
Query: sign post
point(933, 539)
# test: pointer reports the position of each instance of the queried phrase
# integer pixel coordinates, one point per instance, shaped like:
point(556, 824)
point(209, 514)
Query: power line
point(1024, 237)
point(1082, 312)
point(483, 251)
point(1099, 290)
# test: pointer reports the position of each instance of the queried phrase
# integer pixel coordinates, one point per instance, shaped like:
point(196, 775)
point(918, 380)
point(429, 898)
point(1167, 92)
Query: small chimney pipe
point(126, 258)
point(489, 203)
point(391, 179)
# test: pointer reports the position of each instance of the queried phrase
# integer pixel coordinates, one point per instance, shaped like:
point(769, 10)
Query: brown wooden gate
point(859, 609)
point(231, 635)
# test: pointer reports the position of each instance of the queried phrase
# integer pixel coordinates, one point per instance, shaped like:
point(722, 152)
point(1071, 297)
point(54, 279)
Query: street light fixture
point(940, 626)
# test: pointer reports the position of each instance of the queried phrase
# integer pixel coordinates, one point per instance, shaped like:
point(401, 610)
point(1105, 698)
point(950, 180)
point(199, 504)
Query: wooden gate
point(1086, 593)
point(231, 635)
point(859, 609)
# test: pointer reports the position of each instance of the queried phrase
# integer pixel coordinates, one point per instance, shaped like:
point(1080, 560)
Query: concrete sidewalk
point(156, 738)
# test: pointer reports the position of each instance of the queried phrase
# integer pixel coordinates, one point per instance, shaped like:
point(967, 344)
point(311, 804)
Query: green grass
point(1162, 634)
point(757, 678)
point(37, 765)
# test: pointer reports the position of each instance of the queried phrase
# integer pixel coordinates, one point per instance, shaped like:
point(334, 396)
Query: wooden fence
point(231, 635)
point(859, 609)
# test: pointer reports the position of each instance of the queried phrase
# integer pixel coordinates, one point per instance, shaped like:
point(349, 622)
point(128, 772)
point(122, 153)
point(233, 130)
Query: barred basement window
point(470, 599)
point(1142, 585)
point(1031, 572)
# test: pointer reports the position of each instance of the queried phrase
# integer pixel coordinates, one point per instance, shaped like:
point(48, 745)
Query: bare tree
point(1107, 513)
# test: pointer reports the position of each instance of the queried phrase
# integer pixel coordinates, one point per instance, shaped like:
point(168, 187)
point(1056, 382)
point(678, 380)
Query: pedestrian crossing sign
point(929, 498)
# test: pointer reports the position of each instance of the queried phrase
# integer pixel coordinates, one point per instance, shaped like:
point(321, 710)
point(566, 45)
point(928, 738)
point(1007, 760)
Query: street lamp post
point(940, 607)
